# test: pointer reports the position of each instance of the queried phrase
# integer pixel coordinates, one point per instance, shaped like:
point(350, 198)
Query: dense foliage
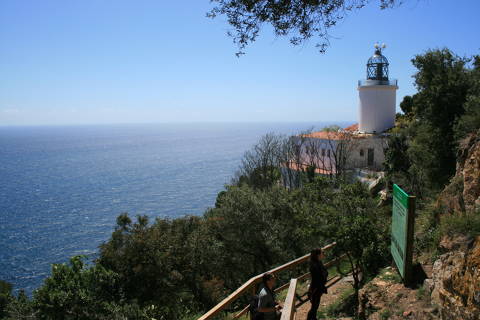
point(423, 146)
point(5, 297)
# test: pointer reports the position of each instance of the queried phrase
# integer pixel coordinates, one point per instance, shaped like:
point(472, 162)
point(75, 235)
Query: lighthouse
point(377, 96)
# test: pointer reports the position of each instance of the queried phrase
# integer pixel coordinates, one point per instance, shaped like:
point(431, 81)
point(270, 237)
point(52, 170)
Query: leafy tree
point(469, 122)
point(299, 19)
point(443, 83)
point(356, 225)
point(396, 157)
point(5, 297)
point(21, 307)
point(248, 226)
point(166, 264)
point(422, 149)
point(75, 291)
point(407, 106)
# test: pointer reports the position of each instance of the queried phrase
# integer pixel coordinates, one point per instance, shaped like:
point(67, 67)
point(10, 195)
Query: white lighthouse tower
point(377, 96)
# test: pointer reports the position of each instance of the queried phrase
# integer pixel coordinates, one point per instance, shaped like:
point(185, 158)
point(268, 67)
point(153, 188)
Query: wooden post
point(288, 311)
point(409, 241)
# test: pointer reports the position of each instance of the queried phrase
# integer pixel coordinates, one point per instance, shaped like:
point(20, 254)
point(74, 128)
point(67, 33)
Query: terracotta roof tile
point(340, 135)
point(353, 127)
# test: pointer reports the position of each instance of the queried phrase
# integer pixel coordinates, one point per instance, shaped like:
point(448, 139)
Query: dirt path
point(327, 299)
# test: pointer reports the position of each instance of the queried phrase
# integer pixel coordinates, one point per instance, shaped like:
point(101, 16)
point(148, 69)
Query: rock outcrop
point(455, 283)
point(463, 192)
point(385, 297)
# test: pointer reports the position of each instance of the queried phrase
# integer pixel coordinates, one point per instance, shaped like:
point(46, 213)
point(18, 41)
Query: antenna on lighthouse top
point(379, 47)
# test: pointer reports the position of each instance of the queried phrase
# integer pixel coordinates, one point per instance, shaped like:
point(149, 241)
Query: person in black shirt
point(319, 276)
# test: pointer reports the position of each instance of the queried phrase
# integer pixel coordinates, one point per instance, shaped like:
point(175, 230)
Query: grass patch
point(465, 224)
point(342, 268)
point(427, 233)
point(343, 306)
point(422, 294)
point(385, 314)
point(390, 274)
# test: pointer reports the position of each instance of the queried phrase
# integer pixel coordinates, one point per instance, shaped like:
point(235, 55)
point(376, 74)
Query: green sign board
point(402, 231)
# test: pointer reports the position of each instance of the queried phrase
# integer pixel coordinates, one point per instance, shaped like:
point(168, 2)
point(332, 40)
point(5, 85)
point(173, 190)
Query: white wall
point(377, 143)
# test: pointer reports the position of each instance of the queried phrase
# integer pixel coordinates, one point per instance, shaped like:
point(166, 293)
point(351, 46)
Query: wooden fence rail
point(250, 285)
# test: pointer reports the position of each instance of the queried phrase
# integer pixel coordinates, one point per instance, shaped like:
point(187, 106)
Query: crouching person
point(267, 306)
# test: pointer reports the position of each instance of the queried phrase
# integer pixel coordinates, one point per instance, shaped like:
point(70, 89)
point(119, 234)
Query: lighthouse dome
point(377, 66)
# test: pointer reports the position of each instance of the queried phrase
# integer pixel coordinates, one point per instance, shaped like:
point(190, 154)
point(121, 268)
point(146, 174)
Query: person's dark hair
point(267, 276)
point(314, 255)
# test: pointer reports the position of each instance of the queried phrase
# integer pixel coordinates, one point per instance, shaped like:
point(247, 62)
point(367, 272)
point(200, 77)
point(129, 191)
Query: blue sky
point(111, 61)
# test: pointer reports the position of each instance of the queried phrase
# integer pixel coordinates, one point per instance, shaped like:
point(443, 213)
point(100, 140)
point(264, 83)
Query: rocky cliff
point(463, 193)
point(455, 282)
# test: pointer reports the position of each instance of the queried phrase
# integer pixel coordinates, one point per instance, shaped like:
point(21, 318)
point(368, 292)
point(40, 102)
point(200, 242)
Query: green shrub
point(5, 297)
point(385, 314)
point(421, 293)
point(461, 224)
point(344, 305)
point(427, 230)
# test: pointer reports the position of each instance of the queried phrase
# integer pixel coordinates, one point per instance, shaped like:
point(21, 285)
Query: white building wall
point(358, 158)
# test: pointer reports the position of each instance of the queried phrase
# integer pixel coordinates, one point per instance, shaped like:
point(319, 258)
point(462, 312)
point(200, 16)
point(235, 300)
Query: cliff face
point(463, 193)
point(470, 169)
point(455, 283)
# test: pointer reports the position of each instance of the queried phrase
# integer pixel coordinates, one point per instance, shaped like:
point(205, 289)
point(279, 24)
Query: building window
point(328, 153)
point(323, 152)
point(361, 153)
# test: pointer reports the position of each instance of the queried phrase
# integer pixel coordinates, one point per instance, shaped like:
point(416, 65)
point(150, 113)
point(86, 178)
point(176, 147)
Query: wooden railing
point(250, 285)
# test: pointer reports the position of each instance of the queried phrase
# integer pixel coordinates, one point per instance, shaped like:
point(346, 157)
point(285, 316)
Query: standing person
point(319, 276)
point(267, 306)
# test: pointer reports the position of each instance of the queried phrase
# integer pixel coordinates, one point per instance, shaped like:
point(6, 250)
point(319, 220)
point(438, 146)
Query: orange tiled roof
point(353, 127)
point(333, 135)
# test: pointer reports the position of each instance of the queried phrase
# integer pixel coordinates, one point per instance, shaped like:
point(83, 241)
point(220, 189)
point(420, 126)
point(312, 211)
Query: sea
point(62, 187)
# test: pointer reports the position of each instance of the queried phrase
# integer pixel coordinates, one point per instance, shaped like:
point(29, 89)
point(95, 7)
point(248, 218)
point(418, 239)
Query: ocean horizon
point(64, 185)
